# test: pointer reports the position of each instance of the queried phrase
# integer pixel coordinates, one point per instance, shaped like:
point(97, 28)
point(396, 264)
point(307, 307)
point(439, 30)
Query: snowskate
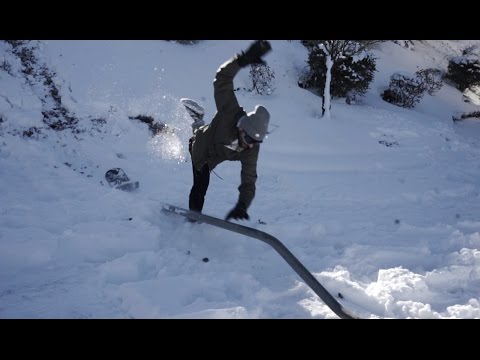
point(117, 179)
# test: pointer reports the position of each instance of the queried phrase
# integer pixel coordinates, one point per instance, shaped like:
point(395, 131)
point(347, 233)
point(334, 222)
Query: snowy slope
point(380, 203)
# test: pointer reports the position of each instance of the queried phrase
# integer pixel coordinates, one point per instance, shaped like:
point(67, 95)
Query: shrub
point(460, 117)
point(464, 70)
point(431, 80)
point(404, 91)
point(407, 91)
point(262, 79)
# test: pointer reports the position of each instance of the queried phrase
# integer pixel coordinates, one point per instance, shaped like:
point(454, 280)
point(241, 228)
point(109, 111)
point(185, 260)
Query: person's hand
point(239, 212)
point(254, 54)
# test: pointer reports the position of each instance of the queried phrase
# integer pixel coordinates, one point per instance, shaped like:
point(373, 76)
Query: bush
point(353, 76)
point(464, 70)
point(5, 66)
point(262, 79)
point(431, 80)
point(404, 91)
point(407, 91)
point(460, 117)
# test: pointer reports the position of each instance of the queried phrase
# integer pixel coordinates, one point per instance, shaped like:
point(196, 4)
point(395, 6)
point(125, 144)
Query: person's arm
point(247, 187)
point(248, 176)
point(223, 85)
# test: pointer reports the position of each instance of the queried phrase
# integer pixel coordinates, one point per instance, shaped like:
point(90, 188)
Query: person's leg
point(201, 179)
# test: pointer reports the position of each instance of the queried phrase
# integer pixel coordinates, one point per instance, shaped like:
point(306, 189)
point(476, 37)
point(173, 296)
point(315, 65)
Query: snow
point(380, 203)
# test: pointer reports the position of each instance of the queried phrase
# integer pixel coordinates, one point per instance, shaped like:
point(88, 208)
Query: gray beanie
point(255, 123)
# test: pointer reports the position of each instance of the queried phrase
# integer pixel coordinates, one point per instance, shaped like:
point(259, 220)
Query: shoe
point(197, 124)
point(196, 112)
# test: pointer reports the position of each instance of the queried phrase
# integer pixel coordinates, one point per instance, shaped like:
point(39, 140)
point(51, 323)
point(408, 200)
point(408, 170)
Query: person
point(232, 135)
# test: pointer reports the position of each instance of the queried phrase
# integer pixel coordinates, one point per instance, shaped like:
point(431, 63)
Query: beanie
point(255, 123)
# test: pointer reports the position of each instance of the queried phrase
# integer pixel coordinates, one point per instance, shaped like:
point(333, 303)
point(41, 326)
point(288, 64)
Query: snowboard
point(118, 179)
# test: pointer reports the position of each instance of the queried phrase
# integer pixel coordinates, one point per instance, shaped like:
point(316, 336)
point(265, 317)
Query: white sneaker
point(197, 124)
point(193, 107)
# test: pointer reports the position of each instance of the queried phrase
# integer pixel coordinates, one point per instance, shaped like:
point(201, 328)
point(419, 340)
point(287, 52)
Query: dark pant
point(201, 179)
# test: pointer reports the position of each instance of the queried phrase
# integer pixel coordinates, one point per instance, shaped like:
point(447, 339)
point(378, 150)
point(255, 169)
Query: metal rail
point(294, 263)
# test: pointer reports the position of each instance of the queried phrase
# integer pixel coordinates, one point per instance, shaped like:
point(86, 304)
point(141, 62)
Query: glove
point(239, 212)
point(254, 54)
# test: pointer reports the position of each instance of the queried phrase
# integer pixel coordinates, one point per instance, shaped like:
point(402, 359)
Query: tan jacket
point(209, 142)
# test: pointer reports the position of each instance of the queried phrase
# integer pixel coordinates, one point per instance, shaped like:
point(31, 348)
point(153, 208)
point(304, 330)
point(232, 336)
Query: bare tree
point(333, 51)
point(328, 80)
